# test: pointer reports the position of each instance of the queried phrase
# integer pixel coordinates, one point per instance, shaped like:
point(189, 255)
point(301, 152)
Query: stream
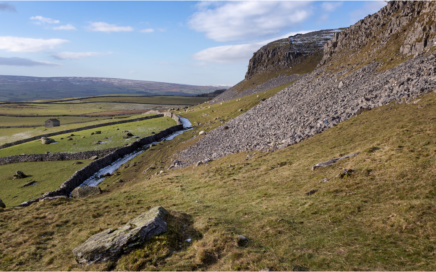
point(97, 177)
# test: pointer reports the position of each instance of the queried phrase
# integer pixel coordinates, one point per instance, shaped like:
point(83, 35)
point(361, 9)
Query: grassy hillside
point(380, 217)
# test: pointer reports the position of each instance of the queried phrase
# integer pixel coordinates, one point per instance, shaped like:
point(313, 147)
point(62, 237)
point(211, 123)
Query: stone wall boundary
point(88, 171)
point(79, 129)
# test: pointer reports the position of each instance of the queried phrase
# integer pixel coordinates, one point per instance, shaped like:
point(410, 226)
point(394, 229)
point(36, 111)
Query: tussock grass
point(381, 217)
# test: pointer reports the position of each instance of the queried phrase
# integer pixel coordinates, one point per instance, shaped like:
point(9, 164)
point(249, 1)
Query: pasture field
point(14, 134)
point(48, 176)
point(92, 105)
point(111, 136)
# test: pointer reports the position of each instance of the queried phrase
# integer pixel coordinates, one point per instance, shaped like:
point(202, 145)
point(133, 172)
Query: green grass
point(48, 176)
point(111, 136)
point(98, 105)
point(379, 218)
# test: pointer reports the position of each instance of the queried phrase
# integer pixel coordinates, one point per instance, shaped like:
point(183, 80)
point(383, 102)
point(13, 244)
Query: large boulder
point(2, 205)
point(85, 191)
point(111, 243)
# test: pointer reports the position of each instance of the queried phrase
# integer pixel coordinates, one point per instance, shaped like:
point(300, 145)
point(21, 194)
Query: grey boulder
point(85, 191)
point(111, 243)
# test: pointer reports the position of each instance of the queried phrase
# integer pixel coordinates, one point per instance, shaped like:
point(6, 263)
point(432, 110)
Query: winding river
point(97, 177)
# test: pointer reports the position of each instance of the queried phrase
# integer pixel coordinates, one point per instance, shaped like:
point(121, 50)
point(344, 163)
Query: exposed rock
point(29, 184)
point(45, 140)
point(241, 241)
point(202, 132)
point(85, 191)
point(93, 158)
point(98, 132)
point(333, 161)
point(345, 173)
point(2, 204)
point(96, 142)
point(19, 175)
point(311, 192)
point(314, 103)
point(111, 243)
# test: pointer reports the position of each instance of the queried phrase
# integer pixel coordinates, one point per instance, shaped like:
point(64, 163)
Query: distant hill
point(20, 88)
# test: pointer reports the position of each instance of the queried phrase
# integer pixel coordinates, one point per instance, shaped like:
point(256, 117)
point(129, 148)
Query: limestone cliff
point(389, 56)
point(285, 53)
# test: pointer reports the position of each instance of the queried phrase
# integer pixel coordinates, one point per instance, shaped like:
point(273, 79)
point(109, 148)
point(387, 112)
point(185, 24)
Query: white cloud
point(43, 20)
point(65, 27)
point(77, 55)
point(147, 30)
point(18, 44)
point(232, 21)
point(235, 53)
point(105, 27)
point(23, 62)
point(331, 6)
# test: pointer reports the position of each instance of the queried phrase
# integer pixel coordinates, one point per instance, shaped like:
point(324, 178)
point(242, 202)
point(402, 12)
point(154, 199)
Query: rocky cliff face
point(406, 27)
point(286, 53)
point(371, 64)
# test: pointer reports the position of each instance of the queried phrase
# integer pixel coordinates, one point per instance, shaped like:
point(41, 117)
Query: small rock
point(96, 142)
point(98, 132)
point(29, 184)
point(93, 158)
point(202, 132)
point(2, 205)
point(45, 140)
point(77, 162)
point(241, 241)
point(85, 191)
point(311, 192)
point(19, 175)
point(323, 180)
point(346, 173)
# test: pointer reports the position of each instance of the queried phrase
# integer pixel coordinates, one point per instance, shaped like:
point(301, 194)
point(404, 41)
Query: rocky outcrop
point(411, 23)
point(333, 161)
point(85, 191)
point(322, 99)
point(111, 243)
point(286, 53)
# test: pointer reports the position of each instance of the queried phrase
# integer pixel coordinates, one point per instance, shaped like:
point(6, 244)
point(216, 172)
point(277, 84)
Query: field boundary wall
point(79, 129)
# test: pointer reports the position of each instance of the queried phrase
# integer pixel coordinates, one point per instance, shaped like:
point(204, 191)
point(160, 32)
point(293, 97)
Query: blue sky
point(189, 42)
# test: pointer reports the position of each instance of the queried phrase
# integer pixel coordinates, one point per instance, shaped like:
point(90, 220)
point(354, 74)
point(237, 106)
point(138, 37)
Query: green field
point(55, 173)
point(111, 136)
point(98, 104)
point(14, 134)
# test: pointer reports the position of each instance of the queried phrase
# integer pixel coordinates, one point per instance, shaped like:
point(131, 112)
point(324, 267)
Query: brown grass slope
point(381, 217)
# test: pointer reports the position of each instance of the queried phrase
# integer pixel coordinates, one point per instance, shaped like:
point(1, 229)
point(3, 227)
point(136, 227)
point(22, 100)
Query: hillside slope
point(280, 62)
point(340, 88)
point(19, 88)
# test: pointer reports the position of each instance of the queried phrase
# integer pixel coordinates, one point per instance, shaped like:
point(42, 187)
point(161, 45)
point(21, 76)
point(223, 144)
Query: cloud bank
point(236, 21)
point(19, 44)
point(43, 20)
point(236, 53)
point(108, 28)
point(23, 62)
point(77, 55)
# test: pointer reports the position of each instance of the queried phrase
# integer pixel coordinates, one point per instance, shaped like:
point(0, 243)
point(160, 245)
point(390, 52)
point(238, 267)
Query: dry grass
point(381, 217)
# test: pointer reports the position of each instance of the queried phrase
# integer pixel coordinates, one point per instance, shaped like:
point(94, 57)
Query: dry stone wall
point(88, 171)
point(78, 129)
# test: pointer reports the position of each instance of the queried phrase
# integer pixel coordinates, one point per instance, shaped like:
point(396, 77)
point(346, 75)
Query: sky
point(188, 42)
